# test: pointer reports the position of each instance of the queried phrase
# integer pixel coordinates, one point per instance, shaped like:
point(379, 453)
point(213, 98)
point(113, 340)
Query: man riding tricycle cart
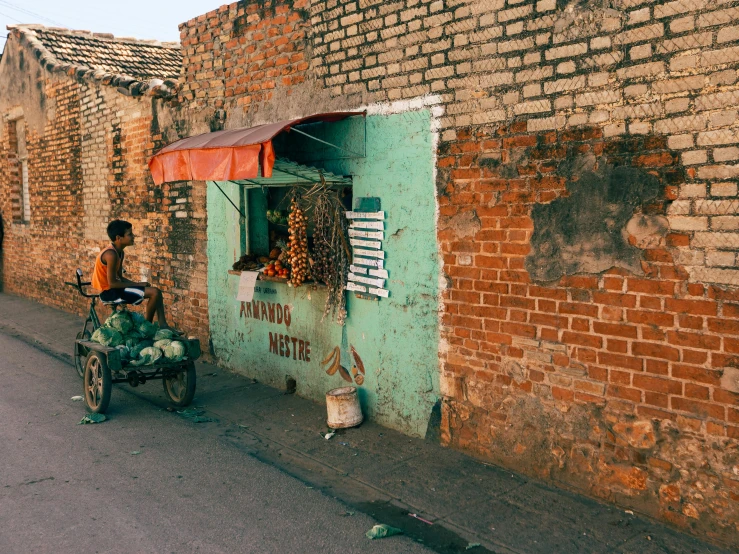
point(129, 347)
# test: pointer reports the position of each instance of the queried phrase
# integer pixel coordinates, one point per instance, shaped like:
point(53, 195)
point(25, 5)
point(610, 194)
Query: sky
point(143, 19)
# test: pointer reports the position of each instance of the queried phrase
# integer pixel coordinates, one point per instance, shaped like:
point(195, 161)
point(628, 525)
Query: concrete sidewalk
point(383, 473)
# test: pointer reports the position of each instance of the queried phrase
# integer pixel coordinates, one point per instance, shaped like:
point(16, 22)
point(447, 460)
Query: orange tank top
point(100, 273)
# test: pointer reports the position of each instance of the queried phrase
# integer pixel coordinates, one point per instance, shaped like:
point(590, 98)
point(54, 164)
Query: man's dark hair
point(117, 228)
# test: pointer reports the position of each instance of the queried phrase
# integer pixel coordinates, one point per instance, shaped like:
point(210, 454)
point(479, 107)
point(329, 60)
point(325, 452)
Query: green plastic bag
point(92, 418)
point(382, 531)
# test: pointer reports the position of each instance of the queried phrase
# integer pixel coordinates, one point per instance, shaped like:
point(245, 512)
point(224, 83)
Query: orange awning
point(226, 155)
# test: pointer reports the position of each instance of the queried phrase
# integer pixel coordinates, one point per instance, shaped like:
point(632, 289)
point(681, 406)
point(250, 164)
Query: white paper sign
point(366, 261)
point(355, 287)
point(365, 243)
point(378, 273)
point(369, 253)
point(246, 286)
point(377, 235)
point(366, 280)
point(379, 292)
point(365, 215)
point(379, 225)
point(359, 270)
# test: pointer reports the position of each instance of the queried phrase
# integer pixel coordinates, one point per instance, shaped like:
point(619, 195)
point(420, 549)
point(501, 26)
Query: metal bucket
point(343, 408)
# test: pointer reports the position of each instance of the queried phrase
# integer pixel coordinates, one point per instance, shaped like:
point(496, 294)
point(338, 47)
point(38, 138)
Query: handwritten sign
point(366, 280)
point(246, 286)
point(365, 215)
point(379, 292)
point(377, 235)
point(369, 253)
point(356, 288)
point(378, 273)
point(365, 243)
point(371, 263)
point(379, 225)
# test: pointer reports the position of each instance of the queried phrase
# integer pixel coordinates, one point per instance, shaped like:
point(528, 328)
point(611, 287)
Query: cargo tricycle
point(101, 366)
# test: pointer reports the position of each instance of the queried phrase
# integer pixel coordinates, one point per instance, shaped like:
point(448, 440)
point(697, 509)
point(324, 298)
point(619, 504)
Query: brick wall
point(597, 349)
point(88, 149)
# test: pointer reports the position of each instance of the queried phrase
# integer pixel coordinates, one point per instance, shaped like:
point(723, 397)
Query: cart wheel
point(81, 353)
point(97, 383)
point(180, 388)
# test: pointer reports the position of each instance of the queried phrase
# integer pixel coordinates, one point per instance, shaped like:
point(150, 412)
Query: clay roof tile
point(87, 54)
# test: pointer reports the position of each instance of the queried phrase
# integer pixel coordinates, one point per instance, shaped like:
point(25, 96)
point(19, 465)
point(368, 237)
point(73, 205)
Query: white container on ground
point(343, 408)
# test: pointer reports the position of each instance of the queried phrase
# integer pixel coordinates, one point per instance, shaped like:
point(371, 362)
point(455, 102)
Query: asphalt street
point(146, 480)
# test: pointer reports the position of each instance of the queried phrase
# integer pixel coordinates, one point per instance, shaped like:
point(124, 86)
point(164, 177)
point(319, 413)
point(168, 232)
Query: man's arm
point(115, 280)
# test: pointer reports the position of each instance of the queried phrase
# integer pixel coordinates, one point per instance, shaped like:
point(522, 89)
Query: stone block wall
point(88, 148)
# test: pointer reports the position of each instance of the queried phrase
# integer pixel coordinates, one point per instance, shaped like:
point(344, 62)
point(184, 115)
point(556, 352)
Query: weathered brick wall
point(88, 150)
point(241, 54)
point(587, 220)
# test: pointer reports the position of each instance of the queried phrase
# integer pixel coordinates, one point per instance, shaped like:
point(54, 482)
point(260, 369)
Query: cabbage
point(120, 321)
point(125, 352)
point(137, 318)
point(107, 337)
point(175, 351)
point(148, 329)
point(162, 343)
point(148, 356)
point(136, 350)
point(163, 334)
point(134, 335)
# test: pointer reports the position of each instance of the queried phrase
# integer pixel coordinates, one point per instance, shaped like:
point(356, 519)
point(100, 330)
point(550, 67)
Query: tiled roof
point(136, 67)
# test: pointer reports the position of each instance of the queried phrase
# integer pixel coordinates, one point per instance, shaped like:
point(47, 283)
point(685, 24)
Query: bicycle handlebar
point(79, 284)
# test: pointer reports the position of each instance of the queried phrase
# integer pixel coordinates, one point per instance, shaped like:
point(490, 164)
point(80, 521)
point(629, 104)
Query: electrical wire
point(28, 12)
point(11, 17)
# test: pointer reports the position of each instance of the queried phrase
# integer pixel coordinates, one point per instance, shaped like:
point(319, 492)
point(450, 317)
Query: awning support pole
point(327, 143)
point(229, 199)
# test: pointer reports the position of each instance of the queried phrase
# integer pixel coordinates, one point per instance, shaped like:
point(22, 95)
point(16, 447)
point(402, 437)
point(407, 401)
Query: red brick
point(665, 386)
point(650, 318)
point(724, 326)
point(591, 341)
point(612, 299)
point(578, 309)
point(693, 340)
point(626, 393)
point(651, 350)
point(626, 331)
point(664, 288)
point(726, 397)
point(701, 409)
point(656, 399)
point(616, 360)
point(690, 322)
point(691, 307)
point(566, 395)
point(693, 373)
point(696, 391)
point(618, 346)
point(619, 377)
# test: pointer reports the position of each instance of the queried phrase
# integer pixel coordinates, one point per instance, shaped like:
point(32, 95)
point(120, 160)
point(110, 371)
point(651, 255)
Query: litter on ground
point(380, 531)
point(194, 415)
point(92, 418)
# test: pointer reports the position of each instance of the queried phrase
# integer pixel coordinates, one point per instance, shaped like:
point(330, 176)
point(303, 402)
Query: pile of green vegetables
point(140, 342)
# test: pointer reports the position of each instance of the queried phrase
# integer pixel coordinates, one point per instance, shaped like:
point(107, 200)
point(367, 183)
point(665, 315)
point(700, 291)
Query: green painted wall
point(398, 337)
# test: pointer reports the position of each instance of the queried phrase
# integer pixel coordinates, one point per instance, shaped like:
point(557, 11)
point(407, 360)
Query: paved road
point(77, 488)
